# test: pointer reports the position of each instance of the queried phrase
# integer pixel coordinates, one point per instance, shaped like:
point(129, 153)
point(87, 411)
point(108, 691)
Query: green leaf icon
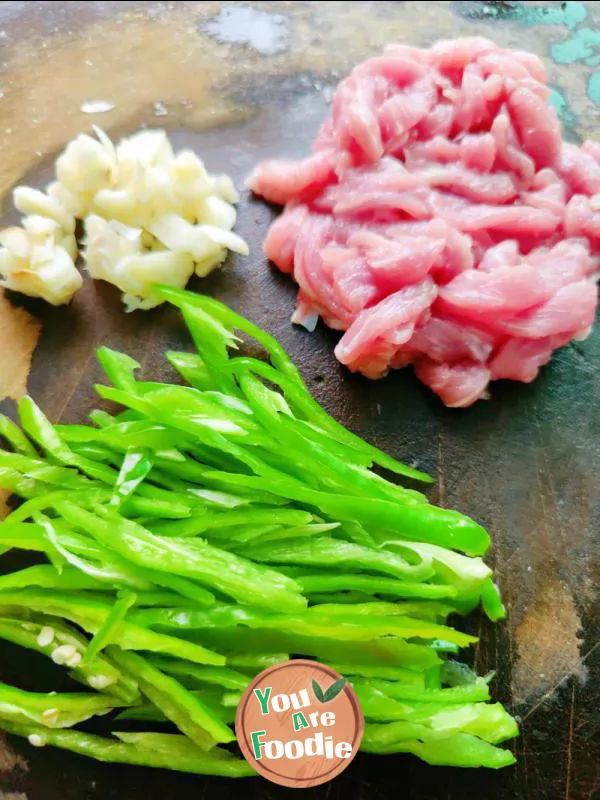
point(318, 692)
point(334, 690)
point(328, 694)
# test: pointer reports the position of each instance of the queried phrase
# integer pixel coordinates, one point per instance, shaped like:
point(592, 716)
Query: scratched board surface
point(238, 82)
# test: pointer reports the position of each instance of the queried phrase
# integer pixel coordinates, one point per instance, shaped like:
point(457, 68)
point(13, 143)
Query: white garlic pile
point(150, 216)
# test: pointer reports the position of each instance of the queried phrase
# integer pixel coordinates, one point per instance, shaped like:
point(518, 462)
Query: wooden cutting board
point(240, 82)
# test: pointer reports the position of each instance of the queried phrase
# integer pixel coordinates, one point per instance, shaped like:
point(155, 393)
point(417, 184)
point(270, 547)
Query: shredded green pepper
point(206, 532)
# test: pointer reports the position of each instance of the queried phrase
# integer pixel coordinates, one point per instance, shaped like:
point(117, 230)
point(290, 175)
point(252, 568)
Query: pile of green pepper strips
point(208, 531)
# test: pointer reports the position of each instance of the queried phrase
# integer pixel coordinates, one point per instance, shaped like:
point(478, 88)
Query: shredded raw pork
point(441, 221)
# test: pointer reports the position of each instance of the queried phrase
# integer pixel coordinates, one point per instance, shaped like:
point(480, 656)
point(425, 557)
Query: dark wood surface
point(526, 463)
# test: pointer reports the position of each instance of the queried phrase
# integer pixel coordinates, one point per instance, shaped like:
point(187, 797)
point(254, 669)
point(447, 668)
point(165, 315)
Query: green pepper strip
point(100, 674)
point(423, 609)
point(160, 599)
point(27, 509)
point(39, 470)
point(51, 710)
point(419, 522)
point(190, 715)
point(325, 550)
point(339, 597)
point(46, 576)
point(306, 406)
point(372, 584)
point(191, 367)
point(191, 675)
point(233, 539)
point(123, 436)
point(210, 521)
point(213, 339)
point(457, 750)
point(36, 424)
point(167, 751)
point(15, 437)
point(209, 696)
point(119, 367)
point(492, 601)
point(255, 663)
point(103, 636)
point(352, 628)
point(135, 468)
point(400, 674)
point(475, 692)
point(90, 614)
point(488, 721)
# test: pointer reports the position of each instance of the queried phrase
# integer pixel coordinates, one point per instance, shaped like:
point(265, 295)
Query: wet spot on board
point(264, 31)
point(569, 14)
point(253, 91)
point(548, 643)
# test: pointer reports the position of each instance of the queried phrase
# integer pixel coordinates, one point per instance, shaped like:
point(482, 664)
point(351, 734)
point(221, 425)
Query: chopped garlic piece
point(146, 194)
point(206, 265)
point(149, 147)
point(39, 227)
point(36, 740)
point(49, 273)
point(69, 243)
point(106, 244)
point(77, 204)
point(223, 186)
point(179, 235)
point(114, 254)
point(214, 210)
point(189, 176)
point(225, 238)
point(17, 243)
point(86, 165)
point(106, 143)
point(135, 274)
point(32, 201)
